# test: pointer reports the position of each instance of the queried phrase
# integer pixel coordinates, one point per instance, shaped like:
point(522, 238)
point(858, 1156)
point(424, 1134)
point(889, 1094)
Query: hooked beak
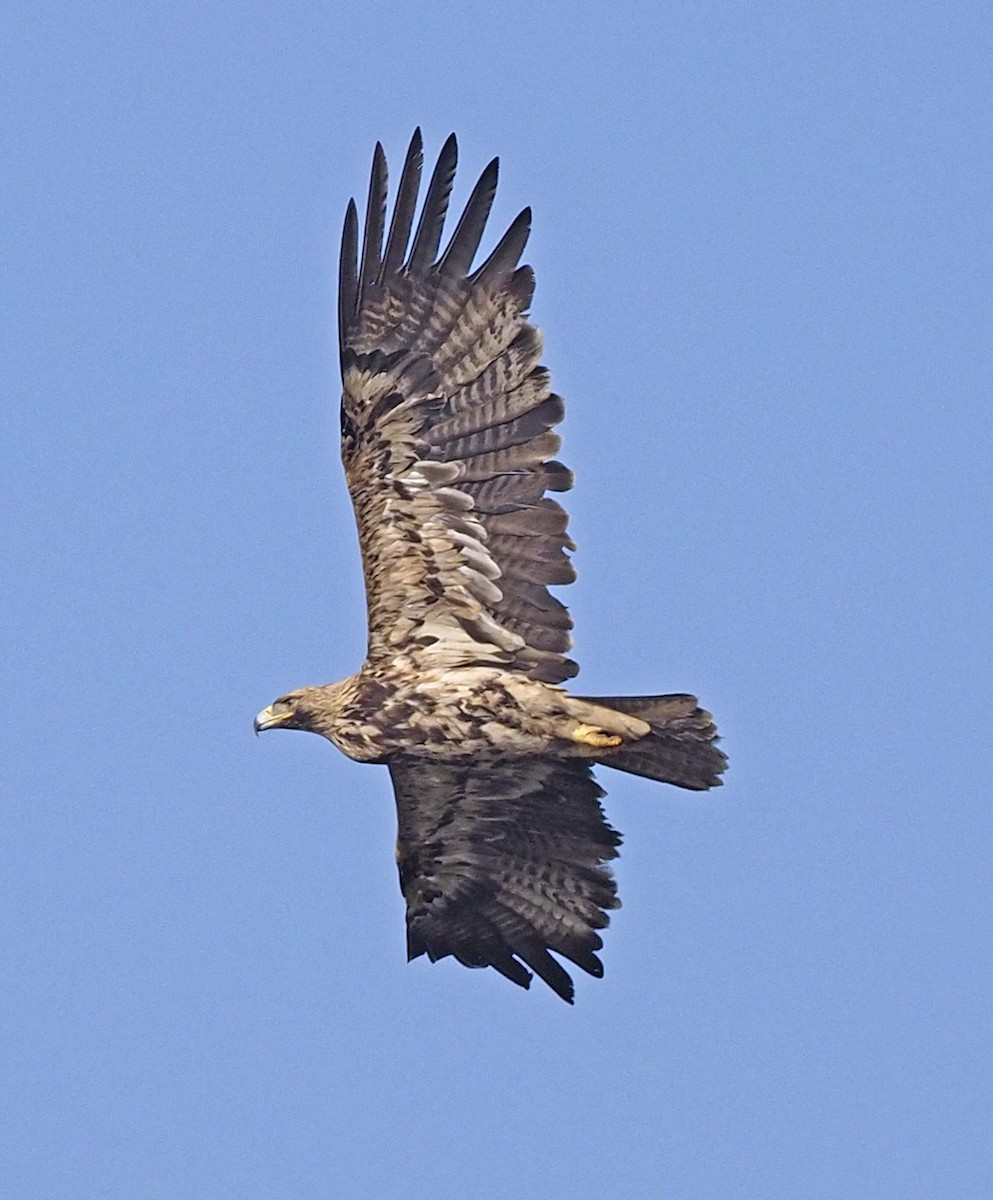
point(267, 719)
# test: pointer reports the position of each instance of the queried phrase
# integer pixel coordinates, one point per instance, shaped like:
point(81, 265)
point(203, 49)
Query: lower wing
point(502, 861)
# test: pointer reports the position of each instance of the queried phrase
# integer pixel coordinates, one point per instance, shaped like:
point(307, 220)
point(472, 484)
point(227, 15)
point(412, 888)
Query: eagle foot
point(593, 735)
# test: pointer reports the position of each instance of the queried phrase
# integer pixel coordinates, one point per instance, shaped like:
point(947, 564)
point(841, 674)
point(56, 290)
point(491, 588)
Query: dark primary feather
point(375, 220)
point(503, 861)
point(507, 251)
point(348, 282)
point(465, 240)
point(447, 419)
point(403, 210)
point(428, 236)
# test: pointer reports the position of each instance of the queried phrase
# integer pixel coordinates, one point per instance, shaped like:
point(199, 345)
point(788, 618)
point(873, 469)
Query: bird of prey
point(447, 420)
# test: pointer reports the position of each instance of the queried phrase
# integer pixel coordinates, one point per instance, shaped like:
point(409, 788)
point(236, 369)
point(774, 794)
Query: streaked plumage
point(448, 443)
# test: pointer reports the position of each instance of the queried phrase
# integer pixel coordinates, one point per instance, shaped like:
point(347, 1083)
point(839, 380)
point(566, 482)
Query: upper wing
point(446, 434)
point(503, 861)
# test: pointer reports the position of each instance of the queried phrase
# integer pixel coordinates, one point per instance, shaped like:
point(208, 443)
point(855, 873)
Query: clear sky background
point(762, 241)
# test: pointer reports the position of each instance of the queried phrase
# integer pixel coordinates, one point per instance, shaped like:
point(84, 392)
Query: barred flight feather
point(456, 348)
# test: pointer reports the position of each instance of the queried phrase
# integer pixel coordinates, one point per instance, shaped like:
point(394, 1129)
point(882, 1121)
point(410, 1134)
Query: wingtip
point(566, 993)
point(435, 208)
point(450, 154)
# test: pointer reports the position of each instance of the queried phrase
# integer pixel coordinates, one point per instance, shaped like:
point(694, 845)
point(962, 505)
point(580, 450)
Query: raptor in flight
point(448, 443)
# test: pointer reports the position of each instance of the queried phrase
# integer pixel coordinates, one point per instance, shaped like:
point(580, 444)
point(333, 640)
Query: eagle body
point(451, 715)
point(448, 445)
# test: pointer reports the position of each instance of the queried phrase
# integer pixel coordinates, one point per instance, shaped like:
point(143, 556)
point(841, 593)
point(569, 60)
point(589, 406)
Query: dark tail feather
point(682, 747)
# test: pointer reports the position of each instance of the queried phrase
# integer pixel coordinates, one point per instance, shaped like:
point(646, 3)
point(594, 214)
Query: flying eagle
point(447, 439)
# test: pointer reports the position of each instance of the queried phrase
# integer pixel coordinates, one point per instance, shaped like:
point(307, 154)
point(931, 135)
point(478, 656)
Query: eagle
point(448, 445)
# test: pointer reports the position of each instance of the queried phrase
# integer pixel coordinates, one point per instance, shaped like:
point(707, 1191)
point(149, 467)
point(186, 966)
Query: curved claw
point(593, 735)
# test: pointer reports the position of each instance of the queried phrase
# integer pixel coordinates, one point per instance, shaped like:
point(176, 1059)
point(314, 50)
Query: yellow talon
point(593, 735)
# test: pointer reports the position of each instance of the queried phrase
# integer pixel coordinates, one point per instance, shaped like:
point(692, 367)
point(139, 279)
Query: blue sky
point(762, 243)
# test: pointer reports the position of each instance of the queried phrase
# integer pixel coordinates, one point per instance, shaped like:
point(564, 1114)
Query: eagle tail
point(680, 749)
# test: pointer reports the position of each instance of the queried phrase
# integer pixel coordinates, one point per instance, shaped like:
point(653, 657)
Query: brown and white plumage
point(447, 438)
point(448, 443)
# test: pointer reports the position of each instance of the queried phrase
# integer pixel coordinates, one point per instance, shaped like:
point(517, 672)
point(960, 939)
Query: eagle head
point(315, 709)
point(288, 712)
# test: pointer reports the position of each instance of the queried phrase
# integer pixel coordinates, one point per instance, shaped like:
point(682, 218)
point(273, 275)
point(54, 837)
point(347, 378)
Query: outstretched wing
point(446, 434)
point(502, 861)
